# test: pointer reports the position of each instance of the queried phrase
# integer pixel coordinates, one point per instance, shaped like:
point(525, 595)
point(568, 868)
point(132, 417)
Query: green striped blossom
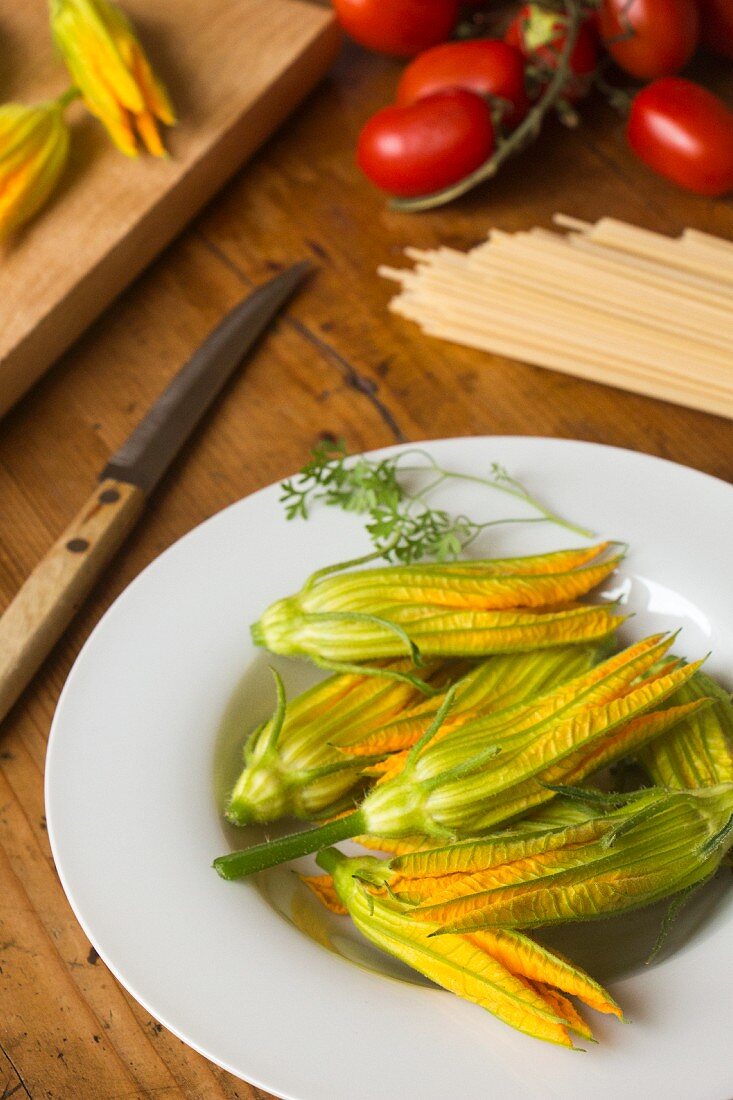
point(467, 608)
point(505, 972)
point(650, 845)
point(303, 763)
point(502, 765)
point(699, 751)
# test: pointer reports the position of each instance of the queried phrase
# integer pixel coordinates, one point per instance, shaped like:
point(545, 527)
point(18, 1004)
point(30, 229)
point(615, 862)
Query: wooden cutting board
point(234, 68)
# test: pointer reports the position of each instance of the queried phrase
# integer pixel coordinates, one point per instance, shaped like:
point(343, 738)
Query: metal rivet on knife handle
point(50, 597)
point(55, 589)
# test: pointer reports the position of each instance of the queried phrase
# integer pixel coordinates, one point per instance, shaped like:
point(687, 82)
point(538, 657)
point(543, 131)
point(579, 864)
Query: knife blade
point(49, 598)
point(148, 452)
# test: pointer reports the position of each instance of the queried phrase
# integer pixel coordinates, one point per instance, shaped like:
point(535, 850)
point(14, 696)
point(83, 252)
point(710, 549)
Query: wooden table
point(336, 364)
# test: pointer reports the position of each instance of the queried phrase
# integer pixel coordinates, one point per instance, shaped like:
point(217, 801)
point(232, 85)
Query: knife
point(54, 591)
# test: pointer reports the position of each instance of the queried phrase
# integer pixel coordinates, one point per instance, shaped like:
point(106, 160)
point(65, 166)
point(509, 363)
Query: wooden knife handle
point(51, 596)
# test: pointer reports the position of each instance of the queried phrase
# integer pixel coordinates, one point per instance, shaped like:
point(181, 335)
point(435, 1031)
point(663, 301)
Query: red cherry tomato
point(685, 133)
point(428, 145)
point(716, 25)
point(486, 66)
point(650, 38)
point(399, 27)
point(541, 36)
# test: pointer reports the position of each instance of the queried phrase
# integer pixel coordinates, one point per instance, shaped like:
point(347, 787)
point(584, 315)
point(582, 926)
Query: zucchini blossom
point(650, 845)
point(505, 972)
point(109, 67)
point(305, 760)
point(34, 146)
point(293, 762)
point(502, 765)
point(465, 608)
point(699, 751)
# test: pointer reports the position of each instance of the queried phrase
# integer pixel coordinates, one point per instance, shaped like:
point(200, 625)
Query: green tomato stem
point(68, 97)
point(525, 133)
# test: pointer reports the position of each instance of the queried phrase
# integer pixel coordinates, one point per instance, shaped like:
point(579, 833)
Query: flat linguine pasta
point(610, 302)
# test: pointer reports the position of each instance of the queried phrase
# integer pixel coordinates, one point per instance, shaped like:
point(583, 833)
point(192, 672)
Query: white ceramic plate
point(252, 975)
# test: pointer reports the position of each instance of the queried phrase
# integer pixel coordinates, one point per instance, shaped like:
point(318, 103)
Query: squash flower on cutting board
point(109, 67)
point(34, 145)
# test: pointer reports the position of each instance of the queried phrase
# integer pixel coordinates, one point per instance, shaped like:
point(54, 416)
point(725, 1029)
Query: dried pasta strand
point(609, 301)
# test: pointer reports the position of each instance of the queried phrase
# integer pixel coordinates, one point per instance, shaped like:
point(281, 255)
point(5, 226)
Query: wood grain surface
point(337, 363)
point(61, 581)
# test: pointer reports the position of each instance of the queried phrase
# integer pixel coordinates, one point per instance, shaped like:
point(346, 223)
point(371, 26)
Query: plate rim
point(68, 687)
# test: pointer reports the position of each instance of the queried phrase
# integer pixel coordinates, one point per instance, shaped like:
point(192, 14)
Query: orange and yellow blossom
point(505, 972)
point(110, 69)
point(34, 144)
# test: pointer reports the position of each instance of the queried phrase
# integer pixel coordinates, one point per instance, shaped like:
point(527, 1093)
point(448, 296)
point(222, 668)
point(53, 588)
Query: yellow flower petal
point(110, 69)
point(638, 732)
point(395, 846)
point(557, 561)
point(486, 853)
point(155, 96)
point(566, 1009)
point(697, 752)
point(523, 955)
point(496, 970)
point(34, 144)
point(148, 131)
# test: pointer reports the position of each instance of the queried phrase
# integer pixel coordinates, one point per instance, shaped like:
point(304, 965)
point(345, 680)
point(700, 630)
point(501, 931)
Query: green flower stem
point(68, 97)
point(330, 858)
point(340, 566)
point(525, 133)
point(261, 856)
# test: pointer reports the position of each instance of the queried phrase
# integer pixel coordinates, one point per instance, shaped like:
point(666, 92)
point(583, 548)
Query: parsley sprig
point(401, 524)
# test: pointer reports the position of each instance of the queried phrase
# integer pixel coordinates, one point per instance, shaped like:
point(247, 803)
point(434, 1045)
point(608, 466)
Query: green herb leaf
point(401, 524)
